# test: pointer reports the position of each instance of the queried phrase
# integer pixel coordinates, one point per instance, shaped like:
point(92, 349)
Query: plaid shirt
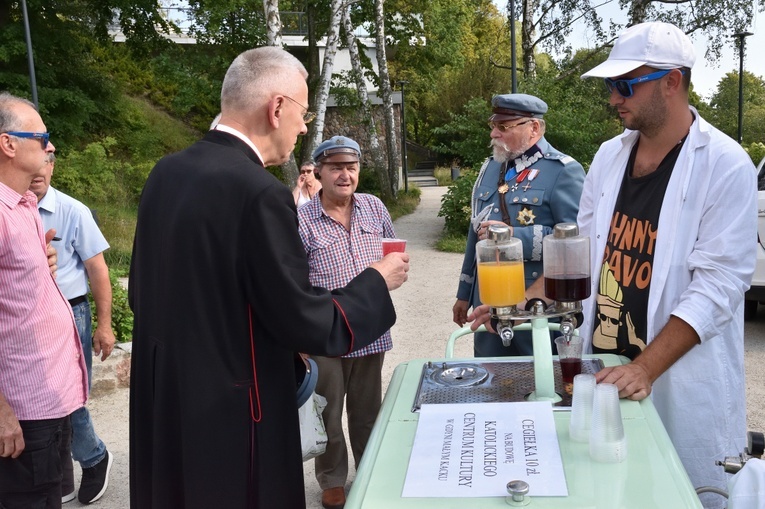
point(335, 255)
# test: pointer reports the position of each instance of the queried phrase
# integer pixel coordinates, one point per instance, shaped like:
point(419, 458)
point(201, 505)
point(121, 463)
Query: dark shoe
point(67, 484)
point(333, 498)
point(95, 480)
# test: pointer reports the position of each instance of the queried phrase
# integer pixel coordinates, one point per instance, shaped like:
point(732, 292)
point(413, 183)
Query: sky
point(706, 76)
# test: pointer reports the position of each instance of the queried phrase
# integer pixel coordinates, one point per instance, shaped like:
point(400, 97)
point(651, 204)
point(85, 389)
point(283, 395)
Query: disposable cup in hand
point(608, 444)
point(581, 407)
point(393, 246)
point(570, 355)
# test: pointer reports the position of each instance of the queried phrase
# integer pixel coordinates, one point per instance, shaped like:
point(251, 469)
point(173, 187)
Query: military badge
point(526, 217)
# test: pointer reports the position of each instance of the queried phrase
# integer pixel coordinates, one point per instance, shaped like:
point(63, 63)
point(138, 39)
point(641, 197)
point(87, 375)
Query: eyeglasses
point(624, 87)
point(306, 172)
point(308, 116)
point(503, 128)
point(43, 137)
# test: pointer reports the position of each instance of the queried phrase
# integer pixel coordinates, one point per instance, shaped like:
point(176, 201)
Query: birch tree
point(366, 108)
point(289, 168)
point(391, 138)
point(321, 95)
point(273, 22)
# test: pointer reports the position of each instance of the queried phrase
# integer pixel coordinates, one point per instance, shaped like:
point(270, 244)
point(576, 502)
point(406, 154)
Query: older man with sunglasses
point(528, 185)
point(43, 378)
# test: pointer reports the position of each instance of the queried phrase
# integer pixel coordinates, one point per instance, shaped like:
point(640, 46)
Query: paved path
point(424, 324)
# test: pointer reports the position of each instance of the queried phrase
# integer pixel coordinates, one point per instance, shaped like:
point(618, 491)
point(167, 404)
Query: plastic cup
point(608, 444)
point(393, 246)
point(570, 355)
point(581, 408)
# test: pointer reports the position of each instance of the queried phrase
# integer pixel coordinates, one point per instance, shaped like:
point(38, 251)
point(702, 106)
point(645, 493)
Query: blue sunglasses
point(624, 87)
point(43, 137)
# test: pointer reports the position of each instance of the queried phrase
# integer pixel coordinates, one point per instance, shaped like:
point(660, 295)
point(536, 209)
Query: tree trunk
point(316, 128)
point(313, 67)
point(380, 167)
point(391, 137)
point(273, 22)
point(527, 38)
point(289, 168)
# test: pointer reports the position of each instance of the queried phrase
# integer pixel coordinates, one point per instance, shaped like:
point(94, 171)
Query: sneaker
point(95, 480)
point(67, 484)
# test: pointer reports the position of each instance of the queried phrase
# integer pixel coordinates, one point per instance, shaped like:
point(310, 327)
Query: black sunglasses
point(624, 86)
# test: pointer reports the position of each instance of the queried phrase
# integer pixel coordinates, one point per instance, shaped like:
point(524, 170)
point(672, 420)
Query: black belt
point(78, 300)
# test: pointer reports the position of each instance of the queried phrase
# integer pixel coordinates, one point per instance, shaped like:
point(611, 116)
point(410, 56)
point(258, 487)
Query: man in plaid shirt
point(342, 231)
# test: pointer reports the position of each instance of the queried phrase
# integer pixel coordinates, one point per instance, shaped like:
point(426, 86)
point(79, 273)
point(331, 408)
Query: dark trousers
point(33, 480)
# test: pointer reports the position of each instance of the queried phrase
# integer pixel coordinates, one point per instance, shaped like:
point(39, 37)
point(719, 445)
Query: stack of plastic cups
point(581, 407)
point(608, 444)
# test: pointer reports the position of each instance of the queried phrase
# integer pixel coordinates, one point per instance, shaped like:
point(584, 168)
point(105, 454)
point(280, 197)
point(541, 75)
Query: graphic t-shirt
point(625, 275)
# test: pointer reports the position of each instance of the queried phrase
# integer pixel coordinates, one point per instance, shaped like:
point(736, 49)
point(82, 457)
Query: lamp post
point(513, 80)
point(403, 135)
point(741, 43)
point(30, 57)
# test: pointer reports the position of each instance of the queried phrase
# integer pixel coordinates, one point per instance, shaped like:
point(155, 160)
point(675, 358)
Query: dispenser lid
point(565, 230)
point(498, 232)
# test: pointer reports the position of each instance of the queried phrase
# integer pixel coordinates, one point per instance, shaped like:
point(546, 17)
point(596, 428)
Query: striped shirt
point(336, 255)
point(42, 369)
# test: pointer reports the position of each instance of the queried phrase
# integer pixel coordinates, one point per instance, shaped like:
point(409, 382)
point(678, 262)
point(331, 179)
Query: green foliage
point(465, 137)
point(455, 204)
point(756, 151)
point(724, 104)
point(122, 316)
point(443, 175)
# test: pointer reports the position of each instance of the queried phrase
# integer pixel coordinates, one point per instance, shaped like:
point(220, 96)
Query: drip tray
point(488, 382)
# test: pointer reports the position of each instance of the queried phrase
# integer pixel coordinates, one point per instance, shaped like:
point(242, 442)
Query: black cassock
point(219, 286)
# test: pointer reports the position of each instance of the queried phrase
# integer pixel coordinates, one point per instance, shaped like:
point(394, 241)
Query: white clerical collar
point(234, 132)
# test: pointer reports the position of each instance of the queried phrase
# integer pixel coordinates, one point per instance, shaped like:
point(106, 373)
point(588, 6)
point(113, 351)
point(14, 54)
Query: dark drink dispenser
point(566, 264)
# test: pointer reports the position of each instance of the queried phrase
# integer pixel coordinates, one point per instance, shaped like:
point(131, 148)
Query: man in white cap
point(670, 206)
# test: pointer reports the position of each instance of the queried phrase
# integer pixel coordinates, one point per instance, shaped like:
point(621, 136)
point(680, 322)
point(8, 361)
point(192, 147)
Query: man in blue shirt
point(80, 260)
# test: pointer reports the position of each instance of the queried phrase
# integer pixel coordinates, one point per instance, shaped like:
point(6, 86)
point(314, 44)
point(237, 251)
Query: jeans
point(87, 448)
point(33, 480)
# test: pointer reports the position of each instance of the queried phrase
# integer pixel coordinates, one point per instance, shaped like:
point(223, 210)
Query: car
point(756, 293)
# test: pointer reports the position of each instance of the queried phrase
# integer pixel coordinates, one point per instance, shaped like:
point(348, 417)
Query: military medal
point(503, 188)
point(519, 179)
point(526, 217)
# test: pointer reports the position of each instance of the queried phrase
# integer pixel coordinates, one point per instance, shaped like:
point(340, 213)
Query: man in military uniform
point(528, 185)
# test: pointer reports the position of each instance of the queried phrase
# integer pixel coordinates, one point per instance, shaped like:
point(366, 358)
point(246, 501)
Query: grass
point(118, 226)
point(452, 243)
point(405, 203)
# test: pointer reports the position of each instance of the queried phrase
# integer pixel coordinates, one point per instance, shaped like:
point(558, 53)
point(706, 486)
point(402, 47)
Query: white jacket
point(703, 263)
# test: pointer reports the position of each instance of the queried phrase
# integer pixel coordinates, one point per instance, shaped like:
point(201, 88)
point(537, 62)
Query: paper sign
point(475, 449)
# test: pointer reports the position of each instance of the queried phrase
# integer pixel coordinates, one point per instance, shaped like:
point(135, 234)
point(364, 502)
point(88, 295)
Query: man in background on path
point(529, 186)
point(43, 378)
point(80, 260)
point(342, 231)
point(222, 299)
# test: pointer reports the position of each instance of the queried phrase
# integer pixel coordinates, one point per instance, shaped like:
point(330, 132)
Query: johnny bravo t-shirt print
point(625, 275)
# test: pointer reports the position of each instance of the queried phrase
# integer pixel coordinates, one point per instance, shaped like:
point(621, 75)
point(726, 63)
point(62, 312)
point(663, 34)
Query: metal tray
point(488, 382)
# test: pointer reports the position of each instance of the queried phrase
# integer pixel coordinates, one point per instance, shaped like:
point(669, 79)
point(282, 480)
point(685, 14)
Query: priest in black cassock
point(219, 287)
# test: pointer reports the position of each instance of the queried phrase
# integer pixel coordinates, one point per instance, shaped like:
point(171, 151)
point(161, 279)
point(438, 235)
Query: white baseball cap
point(655, 44)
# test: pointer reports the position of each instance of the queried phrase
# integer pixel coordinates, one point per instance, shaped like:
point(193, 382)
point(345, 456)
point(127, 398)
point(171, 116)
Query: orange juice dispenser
point(501, 282)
